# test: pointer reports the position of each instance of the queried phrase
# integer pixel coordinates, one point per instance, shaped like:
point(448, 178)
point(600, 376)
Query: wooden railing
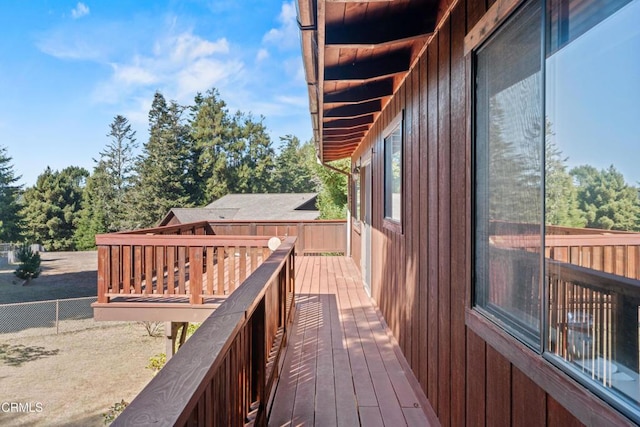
point(617, 253)
point(225, 373)
point(192, 228)
point(314, 236)
point(189, 266)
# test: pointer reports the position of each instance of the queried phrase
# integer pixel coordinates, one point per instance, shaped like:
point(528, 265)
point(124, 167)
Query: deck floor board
point(340, 367)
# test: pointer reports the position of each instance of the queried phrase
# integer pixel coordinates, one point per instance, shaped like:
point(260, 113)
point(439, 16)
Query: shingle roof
point(269, 206)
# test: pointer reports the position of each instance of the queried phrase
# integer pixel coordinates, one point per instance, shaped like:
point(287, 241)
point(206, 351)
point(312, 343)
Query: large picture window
point(508, 189)
point(393, 172)
point(557, 188)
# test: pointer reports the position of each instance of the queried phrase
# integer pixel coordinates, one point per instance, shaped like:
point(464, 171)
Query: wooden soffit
point(356, 54)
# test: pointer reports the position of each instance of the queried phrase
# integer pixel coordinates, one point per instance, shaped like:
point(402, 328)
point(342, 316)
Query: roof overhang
point(356, 55)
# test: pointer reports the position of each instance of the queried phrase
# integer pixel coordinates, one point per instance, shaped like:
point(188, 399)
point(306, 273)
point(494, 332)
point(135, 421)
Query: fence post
point(57, 315)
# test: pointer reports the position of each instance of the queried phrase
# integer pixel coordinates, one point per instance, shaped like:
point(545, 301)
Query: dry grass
point(75, 376)
point(64, 275)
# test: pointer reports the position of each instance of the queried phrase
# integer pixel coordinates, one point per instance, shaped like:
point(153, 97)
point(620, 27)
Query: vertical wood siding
point(420, 276)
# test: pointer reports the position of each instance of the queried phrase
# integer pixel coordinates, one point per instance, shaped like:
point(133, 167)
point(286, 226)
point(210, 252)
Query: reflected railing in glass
point(593, 326)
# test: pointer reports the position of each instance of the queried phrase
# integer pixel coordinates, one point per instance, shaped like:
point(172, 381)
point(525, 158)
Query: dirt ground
point(64, 275)
point(71, 379)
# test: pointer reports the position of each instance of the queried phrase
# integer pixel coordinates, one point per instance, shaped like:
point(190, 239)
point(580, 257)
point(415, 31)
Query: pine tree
point(561, 196)
point(211, 130)
point(119, 168)
point(162, 169)
point(255, 169)
point(51, 207)
point(96, 199)
point(10, 217)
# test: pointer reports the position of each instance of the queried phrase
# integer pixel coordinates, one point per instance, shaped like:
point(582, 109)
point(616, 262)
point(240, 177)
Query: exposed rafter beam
point(348, 123)
point(358, 135)
point(366, 91)
point(354, 110)
point(342, 132)
point(381, 65)
point(353, 141)
point(416, 20)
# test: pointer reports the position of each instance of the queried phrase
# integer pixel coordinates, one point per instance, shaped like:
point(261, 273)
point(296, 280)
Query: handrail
point(225, 373)
point(314, 236)
point(199, 227)
point(593, 279)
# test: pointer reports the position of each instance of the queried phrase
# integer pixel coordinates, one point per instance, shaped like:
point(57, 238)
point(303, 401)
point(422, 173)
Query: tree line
point(582, 196)
point(194, 155)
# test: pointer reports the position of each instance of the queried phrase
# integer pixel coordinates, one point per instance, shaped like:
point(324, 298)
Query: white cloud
point(286, 36)
point(80, 10)
point(77, 49)
point(205, 74)
point(180, 65)
point(262, 55)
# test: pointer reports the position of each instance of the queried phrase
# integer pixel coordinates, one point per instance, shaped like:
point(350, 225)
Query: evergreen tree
point(96, 199)
point(51, 208)
point(118, 164)
point(253, 170)
point(561, 196)
point(210, 133)
point(607, 201)
point(294, 172)
point(162, 169)
point(10, 217)
point(513, 172)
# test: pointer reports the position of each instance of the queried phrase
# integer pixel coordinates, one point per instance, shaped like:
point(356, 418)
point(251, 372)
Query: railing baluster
point(195, 274)
point(148, 270)
point(126, 269)
point(210, 269)
point(171, 270)
point(182, 269)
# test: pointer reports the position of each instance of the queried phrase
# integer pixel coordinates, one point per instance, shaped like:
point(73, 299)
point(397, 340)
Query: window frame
point(555, 375)
point(390, 223)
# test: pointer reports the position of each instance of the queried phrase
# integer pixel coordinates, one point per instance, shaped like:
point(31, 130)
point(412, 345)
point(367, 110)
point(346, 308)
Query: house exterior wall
point(471, 372)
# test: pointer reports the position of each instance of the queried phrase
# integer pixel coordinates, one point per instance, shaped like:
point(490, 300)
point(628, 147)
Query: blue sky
point(593, 100)
point(68, 67)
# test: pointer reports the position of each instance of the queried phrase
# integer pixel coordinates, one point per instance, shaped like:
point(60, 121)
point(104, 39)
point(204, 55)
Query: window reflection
point(592, 182)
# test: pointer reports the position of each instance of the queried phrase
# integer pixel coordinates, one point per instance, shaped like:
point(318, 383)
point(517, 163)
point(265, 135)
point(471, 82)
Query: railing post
point(103, 273)
point(258, 361)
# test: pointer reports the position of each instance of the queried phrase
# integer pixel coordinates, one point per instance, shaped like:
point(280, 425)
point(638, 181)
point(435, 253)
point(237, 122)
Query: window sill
point(577, 399)
point(392, 225)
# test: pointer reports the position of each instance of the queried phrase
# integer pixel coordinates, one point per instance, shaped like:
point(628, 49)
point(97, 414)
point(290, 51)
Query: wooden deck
point(341, 367)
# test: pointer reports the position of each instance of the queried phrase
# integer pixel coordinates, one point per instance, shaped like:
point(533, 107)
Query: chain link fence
point(47, 317)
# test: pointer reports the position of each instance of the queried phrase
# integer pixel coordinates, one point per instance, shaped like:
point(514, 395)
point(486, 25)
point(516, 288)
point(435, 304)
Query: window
point(557, 188)
point(356, 194)
point(508, 189)
point(393, 172)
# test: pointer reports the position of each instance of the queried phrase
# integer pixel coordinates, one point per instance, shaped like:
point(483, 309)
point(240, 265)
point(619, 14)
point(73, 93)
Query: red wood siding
point(421, 276)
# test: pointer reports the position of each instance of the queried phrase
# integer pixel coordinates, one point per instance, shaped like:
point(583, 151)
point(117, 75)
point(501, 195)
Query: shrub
point(114, 410)
point(157, 362)
point(29, 263)
point(154, 329)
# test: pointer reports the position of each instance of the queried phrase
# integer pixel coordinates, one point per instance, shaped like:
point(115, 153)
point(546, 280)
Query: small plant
point(157, 362)
point(29, 263)
point(114, 410)
point(154, 329)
